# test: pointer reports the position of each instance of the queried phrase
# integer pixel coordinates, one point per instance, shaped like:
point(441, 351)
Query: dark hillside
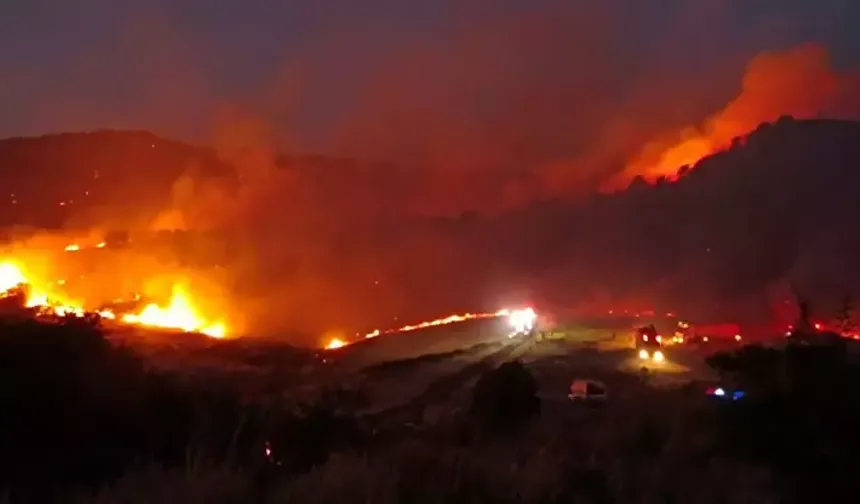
point(53, 177)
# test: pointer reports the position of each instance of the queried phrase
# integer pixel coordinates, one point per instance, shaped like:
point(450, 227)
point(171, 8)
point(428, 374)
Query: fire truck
point(649, 344)
point(713, 334)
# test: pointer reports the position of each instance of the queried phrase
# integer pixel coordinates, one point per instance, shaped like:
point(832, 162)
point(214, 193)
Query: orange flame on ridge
point(335, 343)
point(450, 319)
point(799, 82)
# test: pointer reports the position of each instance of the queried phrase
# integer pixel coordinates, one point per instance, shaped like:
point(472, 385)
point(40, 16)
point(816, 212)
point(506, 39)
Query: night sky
point(312, 68)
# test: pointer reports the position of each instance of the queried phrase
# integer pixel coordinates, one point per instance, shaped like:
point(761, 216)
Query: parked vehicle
point(649, 344)
point(590, 391)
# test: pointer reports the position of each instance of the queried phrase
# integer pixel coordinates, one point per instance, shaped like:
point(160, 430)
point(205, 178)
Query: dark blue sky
point(311, 67)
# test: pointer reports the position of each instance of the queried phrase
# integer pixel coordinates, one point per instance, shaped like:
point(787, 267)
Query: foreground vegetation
point(85, 421)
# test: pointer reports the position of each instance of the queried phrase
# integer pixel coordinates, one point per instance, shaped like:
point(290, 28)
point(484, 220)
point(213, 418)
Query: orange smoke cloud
point(490, 113)
point(799, 82)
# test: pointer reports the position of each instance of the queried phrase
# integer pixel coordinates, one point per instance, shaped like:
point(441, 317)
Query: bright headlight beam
point(523, 320)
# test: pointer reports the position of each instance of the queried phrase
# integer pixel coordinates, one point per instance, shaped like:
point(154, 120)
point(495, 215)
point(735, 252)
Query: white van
point(588, 391)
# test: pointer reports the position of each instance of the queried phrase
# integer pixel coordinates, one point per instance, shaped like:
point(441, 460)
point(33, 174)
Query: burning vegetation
point(285, 224)
point(22, 289)
point(520, 320)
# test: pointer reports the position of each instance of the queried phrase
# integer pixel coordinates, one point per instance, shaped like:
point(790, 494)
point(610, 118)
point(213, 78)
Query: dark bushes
point(800, 417)
point(505, 398)
point(78, 411)
point(70, 411)
point(303, 440)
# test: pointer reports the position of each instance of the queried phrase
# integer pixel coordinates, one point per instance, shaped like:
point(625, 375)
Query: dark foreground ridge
point(84, 418)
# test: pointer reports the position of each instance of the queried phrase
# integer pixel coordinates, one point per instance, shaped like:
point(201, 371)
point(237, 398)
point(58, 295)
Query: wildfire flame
point(178, 314)
point(450, 319)
point(335, 343)
point(10, 277)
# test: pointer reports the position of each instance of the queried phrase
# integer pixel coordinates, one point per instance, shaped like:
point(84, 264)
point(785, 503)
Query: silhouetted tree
point(638, 184)
point(785, 119)
point(803, 325)
point(845, 315)
point(804, 429)
point(737, 142)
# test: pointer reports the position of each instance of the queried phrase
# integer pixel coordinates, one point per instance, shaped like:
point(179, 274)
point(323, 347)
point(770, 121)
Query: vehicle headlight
point(658, 356)
point(643, 354)
point(522, 320)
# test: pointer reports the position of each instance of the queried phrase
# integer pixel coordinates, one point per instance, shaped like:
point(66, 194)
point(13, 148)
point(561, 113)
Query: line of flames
point(336, 343)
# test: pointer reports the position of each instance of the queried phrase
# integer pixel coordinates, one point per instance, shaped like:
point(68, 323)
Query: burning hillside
point(799, 82)
point(47, 299)
point(307, 247)
point(273, 276)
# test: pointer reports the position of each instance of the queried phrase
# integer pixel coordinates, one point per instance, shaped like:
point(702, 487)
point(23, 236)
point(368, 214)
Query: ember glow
point(179, 313)
point(450, 319)
point(74, 247)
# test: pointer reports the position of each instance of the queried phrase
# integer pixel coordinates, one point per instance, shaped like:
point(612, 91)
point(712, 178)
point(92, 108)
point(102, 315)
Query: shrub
point(70, 410)
point(306, 439)
point(79, 411)
point(805, 428)
point(505, 398)
point(149, 485)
